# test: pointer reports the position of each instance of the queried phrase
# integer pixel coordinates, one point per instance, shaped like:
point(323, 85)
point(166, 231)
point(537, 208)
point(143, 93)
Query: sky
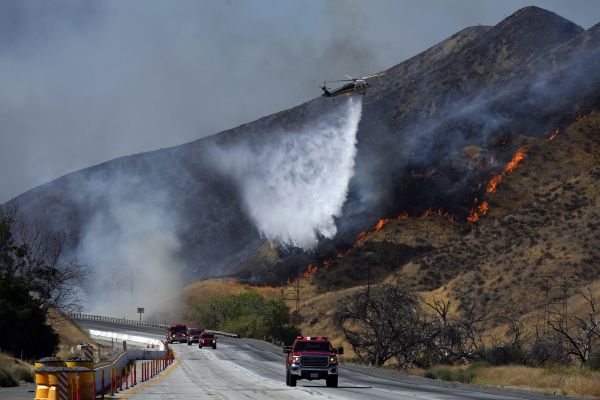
point(83, 82)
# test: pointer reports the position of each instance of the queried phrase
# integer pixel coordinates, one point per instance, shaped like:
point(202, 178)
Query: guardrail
point(114, 320)
point(102, 372)
point(130, 322)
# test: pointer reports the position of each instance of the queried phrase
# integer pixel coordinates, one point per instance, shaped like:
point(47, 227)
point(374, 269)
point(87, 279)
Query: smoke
point(131, 243)
point(295, 185)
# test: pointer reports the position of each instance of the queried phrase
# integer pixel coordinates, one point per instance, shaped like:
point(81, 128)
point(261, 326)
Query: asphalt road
point(246, 369)
point(252, 369)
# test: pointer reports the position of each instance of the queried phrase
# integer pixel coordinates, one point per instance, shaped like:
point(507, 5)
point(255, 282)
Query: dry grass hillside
point(542, 226)
point(69, 334)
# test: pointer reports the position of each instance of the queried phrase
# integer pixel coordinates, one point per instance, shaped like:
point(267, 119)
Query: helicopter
point(355, 86)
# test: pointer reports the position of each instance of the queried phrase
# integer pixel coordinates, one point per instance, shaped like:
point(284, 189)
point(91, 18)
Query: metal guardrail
point(130, 322)
point(122, 321)
point(123, 359)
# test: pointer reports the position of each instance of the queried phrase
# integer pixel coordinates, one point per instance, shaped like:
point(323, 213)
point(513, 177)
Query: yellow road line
point(151, 382)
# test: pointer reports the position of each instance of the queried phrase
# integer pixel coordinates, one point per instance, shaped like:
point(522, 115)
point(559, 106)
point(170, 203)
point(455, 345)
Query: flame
point(473, 216)
point(552, 135)
point(381, 223)
point(483, 208)
point(520, 154)
point(311, 270)
point(447, 215)
point(363, 236)
point(493, 183)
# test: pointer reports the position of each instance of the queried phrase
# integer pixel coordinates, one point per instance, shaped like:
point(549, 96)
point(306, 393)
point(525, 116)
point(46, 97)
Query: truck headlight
point(296, 359)
point(332, 360)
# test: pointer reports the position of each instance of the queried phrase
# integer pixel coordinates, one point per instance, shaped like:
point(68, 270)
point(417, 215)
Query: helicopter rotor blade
point(349, 77)
point(372, 76)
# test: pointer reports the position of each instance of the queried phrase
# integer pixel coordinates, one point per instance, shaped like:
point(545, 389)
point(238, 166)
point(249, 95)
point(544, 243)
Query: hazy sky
point(82, 82)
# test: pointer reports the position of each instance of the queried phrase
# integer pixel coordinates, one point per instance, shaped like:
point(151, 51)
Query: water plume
point(294, 183)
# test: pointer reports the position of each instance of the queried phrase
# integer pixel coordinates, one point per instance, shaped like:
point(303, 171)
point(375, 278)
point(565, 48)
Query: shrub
point(594, 361)
point(23, 327)
point(6, 379)
point(547, 351)
point(503, 355)
point(450, 375)
point(464, 375)
point(287, 333)
point(249, 315)
point(23, 374)
point(430, 374)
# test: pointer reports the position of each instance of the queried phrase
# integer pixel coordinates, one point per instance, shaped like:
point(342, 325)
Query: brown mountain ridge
point(435, 129)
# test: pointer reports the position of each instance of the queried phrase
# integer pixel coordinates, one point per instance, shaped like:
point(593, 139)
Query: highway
point(252, 369)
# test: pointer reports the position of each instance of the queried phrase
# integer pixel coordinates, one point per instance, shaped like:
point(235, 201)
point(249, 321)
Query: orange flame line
point(520, 154)
point(483, 208)
point(552, 135)
point(312, 269)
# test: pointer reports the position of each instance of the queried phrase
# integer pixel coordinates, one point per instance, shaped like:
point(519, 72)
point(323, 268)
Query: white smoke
point(131, 243)
point(295, 185)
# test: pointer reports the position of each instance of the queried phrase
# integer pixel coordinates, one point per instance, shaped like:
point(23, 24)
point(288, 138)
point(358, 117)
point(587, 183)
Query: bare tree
point(459, 338)
point(36, 257)
point(579, 333)
point(382, 322)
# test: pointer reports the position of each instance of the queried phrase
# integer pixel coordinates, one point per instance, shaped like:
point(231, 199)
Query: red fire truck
point(177, 333)
point(311, 358)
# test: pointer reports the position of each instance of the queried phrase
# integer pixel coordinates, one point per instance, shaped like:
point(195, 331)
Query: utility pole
point(369, 254)
point(295, 297)
point(546, 287)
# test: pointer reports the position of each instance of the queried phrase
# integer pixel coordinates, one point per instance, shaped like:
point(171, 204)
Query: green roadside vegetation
point(250, 315)
point(35, 284)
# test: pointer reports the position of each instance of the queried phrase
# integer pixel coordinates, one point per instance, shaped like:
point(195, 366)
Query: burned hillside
point(434, 130)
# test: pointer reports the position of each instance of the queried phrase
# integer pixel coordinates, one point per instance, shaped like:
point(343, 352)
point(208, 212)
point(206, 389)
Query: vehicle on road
point(177, 333)
point(193, 336)
point(207, 339)
point(311, 358)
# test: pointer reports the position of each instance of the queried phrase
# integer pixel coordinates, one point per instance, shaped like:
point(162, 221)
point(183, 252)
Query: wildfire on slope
point(519, 156)
point(483, 207)
point(552, 135)
point(310, 270)
point(363, 236)
point(360, 240)
point(479, 211)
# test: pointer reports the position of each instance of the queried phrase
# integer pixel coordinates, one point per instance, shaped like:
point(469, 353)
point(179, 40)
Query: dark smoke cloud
point(84, 81)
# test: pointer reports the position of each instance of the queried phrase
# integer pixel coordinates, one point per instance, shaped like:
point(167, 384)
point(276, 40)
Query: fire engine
point(207, 339)
point(311, 358)
point(177, 333)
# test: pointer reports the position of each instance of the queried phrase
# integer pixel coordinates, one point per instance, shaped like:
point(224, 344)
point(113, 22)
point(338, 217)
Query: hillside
point(542, 226)
point(434, 130)
point(540, 233)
